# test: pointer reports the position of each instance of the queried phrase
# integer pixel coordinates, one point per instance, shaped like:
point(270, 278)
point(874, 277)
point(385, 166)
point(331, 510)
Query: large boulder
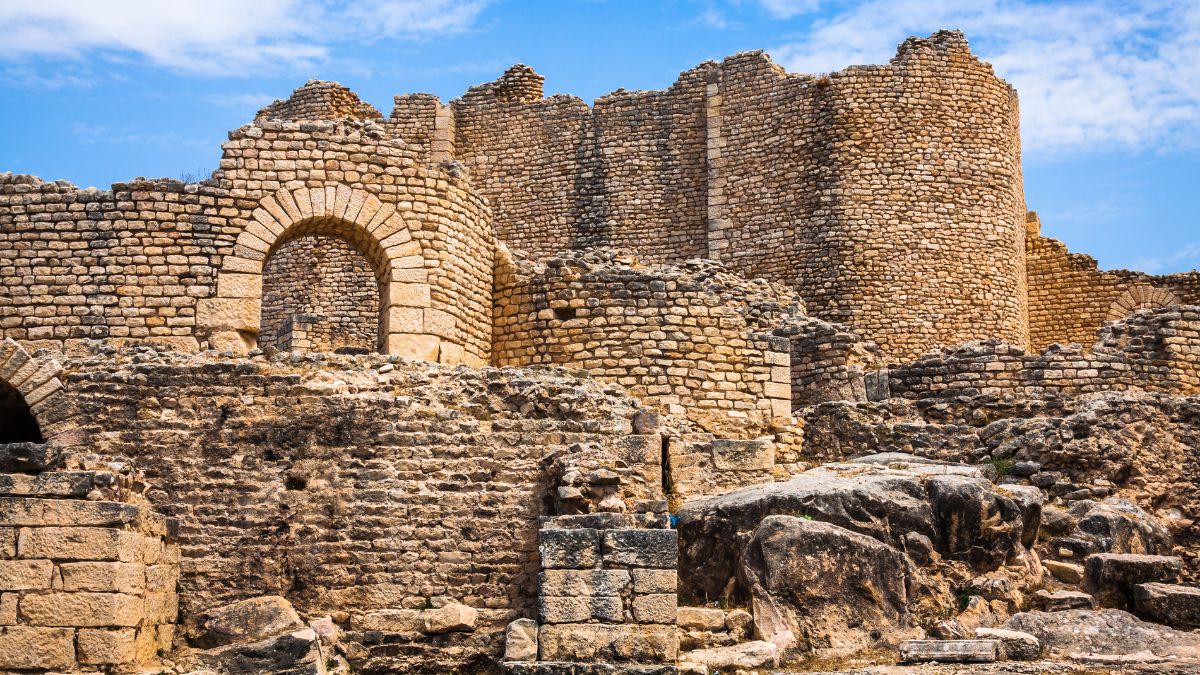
point(1112, 526)
point(835, 590)
point(295, 653)
point(1105, 631)
point(248, 620)
point(951, 506)
point(1112, 577)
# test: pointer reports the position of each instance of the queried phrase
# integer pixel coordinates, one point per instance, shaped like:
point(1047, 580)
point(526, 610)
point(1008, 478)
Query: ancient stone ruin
point(761, 371)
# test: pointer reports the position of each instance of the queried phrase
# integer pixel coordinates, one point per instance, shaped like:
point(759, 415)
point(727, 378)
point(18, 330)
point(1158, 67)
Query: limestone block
point(25, 575)
point(743, 455)
point(229, 313)
point(439, 323)
point(560, 548)
point(82, 609)
point(248, 620)
point(409, 295)
point(1014, 644)
point(655, 608)
point(583, 582)
point(239, 285)
point(420, 347)
point(556, 609)
point(1064, 572)
point(114, 577)
point(654, 581)
point(1175, 606)
point(1111, 577)
point(755, 654)
point(391, 621)
point(27, 511)
point(701, 618)
point(161, 608)
point(405, 319)
point(8, 609)
point(641, 548)
point(450, 618)
point(106, 647)
point(162, 578)
point(25, 648)
point(77, 543)
point(618, 643)
point(520, 641)
point(950, 651)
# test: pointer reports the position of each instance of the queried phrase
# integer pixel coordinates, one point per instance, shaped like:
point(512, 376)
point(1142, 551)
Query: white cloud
point(786, 9)
point(218, 37)
point(1188, 256)
point(1090, 74)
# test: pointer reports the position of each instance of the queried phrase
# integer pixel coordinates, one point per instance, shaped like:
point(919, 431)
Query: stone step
point(64, 484)
point(950, 651)
point(1175, 606)
point(1111, 577)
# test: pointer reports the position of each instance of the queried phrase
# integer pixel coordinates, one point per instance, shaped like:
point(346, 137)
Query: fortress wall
point(175, 263)
point(527, 155)
point(693, 340)
point(424, 124)
point(326, 277)
point(1070, 297)
point(1152, 350)
point(651, 171)
point(352, 488)
point(893, 200)
point(319, 100)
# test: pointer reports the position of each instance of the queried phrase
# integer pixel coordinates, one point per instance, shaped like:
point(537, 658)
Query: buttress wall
point(890, 197)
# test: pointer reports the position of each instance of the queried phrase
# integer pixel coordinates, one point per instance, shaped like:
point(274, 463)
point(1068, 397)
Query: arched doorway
point(320, 294)
point(17, 423)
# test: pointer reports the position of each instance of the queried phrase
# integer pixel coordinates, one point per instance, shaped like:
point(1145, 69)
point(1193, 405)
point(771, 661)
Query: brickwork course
point(439, 379)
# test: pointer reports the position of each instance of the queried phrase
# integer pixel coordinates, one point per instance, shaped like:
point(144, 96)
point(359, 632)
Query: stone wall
point(327, 277)
point(88, 573)
point(1070, 297)
point(694, 339)
point(889, 196)
point(181, 264)
point(354, 485)
point(319, 100)
point(1152, 350)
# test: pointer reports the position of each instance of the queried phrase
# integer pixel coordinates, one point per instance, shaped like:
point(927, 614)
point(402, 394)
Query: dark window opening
point(17, 424)
point(564, 313)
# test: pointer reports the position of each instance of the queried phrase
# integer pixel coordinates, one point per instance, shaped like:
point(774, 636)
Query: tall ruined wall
point(327, 277)
point(182, 263)
point(694, 339)
point(1070, 297)
point(889, 196)
point(358, 485)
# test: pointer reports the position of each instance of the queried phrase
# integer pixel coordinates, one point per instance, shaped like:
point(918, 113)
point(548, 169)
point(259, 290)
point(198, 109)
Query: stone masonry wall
point(355, 485)
point(1152, 350)
point(1070, 297)
point(889, 196)
point(327, 277)
point(137, 262)
point(87, 574)
point(694, 340)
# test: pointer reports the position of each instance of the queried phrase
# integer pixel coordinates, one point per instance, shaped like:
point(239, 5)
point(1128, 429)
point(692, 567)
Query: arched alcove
point(1140, 296)
point(409, 324)
point(17, 423)
point(320, 294)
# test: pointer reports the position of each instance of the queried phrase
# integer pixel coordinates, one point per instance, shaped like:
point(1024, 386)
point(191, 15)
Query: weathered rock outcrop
point(1105, 631)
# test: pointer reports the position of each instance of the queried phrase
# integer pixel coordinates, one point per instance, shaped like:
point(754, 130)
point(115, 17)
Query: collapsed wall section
point(1070, 298)
point(361, 487)
point(1151, 351)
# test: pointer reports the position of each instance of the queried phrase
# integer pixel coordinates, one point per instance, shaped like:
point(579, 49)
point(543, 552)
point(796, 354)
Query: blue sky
point(97, 91)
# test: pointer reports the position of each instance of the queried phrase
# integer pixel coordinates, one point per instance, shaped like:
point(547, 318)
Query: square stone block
point(115, 577)
point(579, 549)
point(582, 582)
point(77, 543)
point(641, 548)
point(106, 647)
point(26, 648)
point(82, 609)
point(655, 608)
point(612, 643)
point(556, 609)
point(25, 575)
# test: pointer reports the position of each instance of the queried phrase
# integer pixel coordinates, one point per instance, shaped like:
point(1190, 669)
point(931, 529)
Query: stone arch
point(35, 380)
point(1140, 296)
point(375, 228)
